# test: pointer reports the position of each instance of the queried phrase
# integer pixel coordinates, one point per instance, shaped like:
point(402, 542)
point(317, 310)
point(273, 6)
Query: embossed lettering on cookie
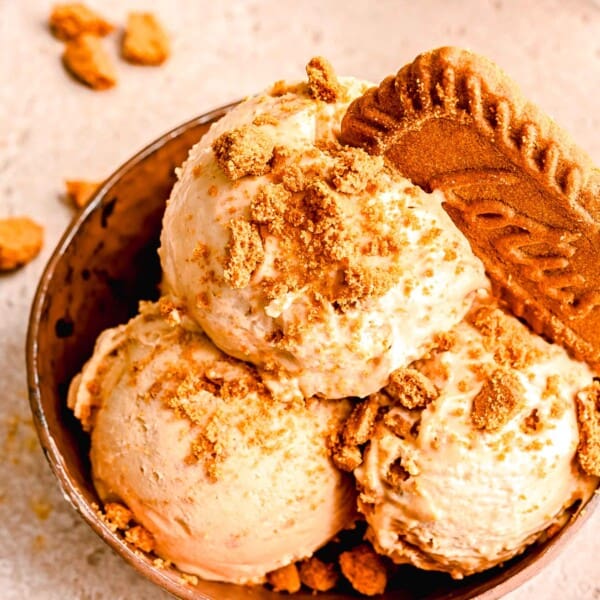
point(525, 196)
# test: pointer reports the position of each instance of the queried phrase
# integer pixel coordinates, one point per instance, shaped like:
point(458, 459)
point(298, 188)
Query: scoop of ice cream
point(307, 258)
point(231, 481)
point(472, 454)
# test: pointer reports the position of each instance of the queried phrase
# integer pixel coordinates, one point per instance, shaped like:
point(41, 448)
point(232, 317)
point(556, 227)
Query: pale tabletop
point(52, 129)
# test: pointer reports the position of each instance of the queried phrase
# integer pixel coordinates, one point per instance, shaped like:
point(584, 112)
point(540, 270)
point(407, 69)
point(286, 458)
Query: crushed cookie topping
point(588, 418)
point(245, 253)
point(500, 397)
point(322, 80)
point(411, 389)
point(326, 247)
point(355, 170)
point(505, 337)
point(246, 150)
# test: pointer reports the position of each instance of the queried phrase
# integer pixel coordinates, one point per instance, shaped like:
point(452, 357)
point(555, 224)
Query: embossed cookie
point(525, 196)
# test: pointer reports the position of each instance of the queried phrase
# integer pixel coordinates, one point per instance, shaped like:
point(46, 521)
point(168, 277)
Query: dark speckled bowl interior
point(103, 265)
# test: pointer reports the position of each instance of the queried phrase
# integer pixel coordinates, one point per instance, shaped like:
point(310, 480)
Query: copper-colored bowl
point(104, 264)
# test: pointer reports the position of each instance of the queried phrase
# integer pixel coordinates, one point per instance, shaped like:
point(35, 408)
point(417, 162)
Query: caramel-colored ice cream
point(474, 453)
point(309, 259)
point(231, 481)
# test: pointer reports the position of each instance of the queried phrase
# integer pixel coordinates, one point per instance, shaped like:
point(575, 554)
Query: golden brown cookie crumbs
point(265, 119)
point(86, 58)
point(244, 253)
point(344, 456)
point(188, 579)
point(500, 397)
point(588, 419)
point(246, 150)
point(364, 569)
point(79, 191)
point(21, 240)
point(117, 515)
point(145, 42)
point(355, 170)
point(505, 336)
point(322, 80)
point(269, 205)
point(285, 579)
point(411, 389)
point(141, 538)
point(359, 425)
point(318, 575)
point(67, 21)
point(532, 422)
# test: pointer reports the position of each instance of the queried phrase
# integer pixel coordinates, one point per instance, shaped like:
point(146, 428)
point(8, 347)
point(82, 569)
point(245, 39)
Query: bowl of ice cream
point(107, 262)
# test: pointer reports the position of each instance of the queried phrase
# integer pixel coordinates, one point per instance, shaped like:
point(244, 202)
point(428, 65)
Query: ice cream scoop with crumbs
point(231, 481)
point(309, 259)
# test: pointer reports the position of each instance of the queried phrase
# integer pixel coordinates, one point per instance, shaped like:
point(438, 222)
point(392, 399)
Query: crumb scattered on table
point(21, 240)
point(145, 42)
point(86, 58)
point(68, 21)
point(80, 191)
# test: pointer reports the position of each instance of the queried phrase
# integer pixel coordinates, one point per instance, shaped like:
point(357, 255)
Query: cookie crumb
point(354, 170)
point(364, 569)
point(21, 240)
point(344, 456)
point(411, 389)
point(588, 418)
point(500, 397)
point(141, 538)
point(80, 191)
point(145, 41)
point(245, 252)
point(359, 425)
point(86, 58)
point(68, 21)
point(245, 150)
point(117, 516)
point(322, 80)
point(285, 579)
point(318, 575)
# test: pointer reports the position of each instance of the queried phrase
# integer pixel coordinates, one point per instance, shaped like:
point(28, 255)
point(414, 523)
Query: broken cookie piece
point(243, 151)
point(86, 58)
point(145, 42)
point(79, 191)
point(21, 240)
point(68, 21)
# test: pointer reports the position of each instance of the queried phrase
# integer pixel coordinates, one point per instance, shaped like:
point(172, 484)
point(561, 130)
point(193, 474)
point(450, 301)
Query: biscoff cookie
point(526, 197)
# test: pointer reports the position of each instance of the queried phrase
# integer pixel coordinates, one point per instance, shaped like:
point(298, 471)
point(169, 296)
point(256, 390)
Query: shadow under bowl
point(105, 263)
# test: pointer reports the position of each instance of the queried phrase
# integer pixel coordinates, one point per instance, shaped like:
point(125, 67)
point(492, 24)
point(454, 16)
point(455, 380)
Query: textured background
point(52, 128)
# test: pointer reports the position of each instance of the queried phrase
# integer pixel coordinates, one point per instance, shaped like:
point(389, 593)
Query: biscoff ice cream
point(296, 269)
point(230, 481)
point(311, 260)
point(472, 451)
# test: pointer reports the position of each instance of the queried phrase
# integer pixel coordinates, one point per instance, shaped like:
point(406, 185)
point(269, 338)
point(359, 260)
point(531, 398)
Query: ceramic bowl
point(104, 264)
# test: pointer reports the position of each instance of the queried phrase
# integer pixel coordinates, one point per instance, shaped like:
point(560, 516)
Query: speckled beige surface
point(52, 128)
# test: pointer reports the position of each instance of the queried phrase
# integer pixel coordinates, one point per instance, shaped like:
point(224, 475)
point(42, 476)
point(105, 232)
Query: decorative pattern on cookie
point(525, 196)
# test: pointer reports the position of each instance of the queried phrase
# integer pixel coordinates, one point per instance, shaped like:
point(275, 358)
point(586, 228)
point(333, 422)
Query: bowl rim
point(86, 510)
